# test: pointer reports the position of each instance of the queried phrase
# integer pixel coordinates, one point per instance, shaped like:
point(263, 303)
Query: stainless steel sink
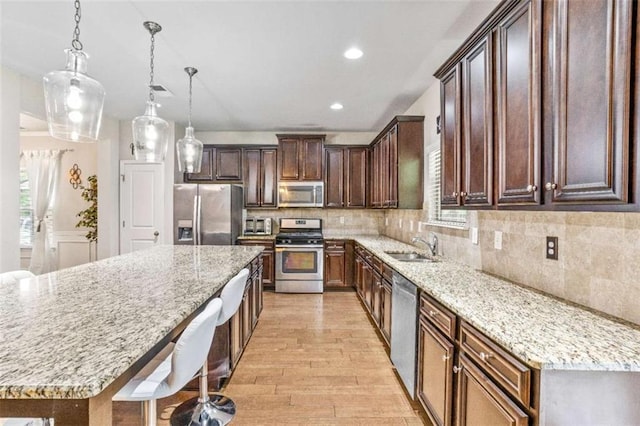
point(409, 256)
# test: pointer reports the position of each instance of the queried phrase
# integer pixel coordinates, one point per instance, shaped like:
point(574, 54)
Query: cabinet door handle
point(456, 369)
point(433, 313)
point(445, 358)
point(532, 188)
point(463, 194)
point(550, 186)
point(485, 356)
point(454, 194)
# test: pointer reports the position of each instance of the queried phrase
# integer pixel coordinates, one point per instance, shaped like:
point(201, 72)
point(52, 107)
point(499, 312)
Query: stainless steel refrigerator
point(207, 214)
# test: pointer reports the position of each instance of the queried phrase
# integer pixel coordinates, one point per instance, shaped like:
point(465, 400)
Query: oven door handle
point(297, 248)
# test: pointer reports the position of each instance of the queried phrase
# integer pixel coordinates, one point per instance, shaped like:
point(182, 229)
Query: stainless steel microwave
point(301, 194)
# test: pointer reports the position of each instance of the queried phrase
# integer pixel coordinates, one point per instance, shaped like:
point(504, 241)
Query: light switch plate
point(474, 235)
point(341, 220)
point(411, 225)
point(497, 240)
point(386, 221)
point(399, 223)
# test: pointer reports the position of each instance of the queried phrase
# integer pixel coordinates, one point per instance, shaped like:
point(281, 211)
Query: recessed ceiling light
point(336, 106)
point(353, 53)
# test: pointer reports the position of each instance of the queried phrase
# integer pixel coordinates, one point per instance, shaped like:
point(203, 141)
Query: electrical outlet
point(399, 223)
point(552, 248)
point(497, 240)
point(411, 225)
point(341, 220)
point(474, 235)
point(420, 224)
point(386, 221)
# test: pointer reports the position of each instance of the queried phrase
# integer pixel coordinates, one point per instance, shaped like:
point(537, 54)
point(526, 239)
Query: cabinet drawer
point(387, 272)
point(500, 365)
point(338, 245)
point(377, 264)
point(438, 315)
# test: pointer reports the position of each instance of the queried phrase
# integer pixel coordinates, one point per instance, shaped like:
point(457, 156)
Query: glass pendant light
point(150, 132)
point(73, 100)
point(189, 149)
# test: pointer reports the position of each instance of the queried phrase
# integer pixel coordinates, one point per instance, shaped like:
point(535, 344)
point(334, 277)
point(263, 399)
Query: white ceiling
point(263, 65)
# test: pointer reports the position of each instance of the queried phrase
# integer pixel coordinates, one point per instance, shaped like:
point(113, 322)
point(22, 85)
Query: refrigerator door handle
point(196, 220)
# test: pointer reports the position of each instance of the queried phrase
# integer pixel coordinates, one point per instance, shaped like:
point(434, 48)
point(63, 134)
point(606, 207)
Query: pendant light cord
point(75, 43)
point(151, 94)
point(190, 87)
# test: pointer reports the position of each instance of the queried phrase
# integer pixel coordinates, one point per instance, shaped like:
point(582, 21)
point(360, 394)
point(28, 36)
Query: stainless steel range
point(299, 256)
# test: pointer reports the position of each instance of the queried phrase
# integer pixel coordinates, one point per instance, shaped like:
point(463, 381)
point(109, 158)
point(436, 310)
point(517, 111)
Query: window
point(26, 212)
point(437, 215)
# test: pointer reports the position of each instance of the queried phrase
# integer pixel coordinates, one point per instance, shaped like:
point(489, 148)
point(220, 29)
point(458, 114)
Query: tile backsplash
point(335, 222)
point(597, 262)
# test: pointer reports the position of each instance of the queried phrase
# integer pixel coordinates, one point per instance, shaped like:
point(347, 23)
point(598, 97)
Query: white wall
point(269, 138)
point(108, 189)
point(9, 170)
point(68, 200)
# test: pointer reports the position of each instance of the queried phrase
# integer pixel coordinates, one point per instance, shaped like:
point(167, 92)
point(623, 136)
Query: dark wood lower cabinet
point(435, 374)
point(242, 324)
point(335, 264)
point(385, 320)
point(268, 260)
point(480, 402)
point(376, 297)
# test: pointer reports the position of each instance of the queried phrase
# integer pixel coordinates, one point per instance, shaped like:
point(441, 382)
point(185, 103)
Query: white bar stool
point(214, 409)
point(175, 365)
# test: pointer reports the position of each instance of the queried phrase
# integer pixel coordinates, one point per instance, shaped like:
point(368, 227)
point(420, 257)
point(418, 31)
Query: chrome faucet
point(433, 245)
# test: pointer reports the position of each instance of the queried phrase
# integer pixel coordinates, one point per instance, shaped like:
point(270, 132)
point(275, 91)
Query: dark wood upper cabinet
point(450, 144)
point(206, 169)
point(356, 177)
point(477, 134)
point(260, 177)
point(219, 165)
point(345, 176)
point(311, 160)
point(590, 80)
point(334, 183)
point(300, 157)
point(228, 164)
point(396, 163)
point(289, 163)
point(518, 112)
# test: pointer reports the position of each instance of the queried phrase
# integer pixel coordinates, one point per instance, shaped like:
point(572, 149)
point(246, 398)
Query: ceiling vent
point(161, 91)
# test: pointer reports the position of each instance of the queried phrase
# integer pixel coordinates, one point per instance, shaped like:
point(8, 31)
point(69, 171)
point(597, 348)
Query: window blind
point(436, 213)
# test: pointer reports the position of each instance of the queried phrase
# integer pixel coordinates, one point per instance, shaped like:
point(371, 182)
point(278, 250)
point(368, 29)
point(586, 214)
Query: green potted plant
point(89, 216)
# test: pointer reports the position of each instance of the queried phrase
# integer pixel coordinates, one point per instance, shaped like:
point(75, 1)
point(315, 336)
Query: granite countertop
point(70, 333)
point(542, 331)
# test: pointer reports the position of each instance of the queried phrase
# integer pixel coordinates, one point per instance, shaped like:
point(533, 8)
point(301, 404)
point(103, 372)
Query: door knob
point(155, 234)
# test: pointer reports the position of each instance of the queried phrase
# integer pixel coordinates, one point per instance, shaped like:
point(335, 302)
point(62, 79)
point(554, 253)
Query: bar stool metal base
point(218, 410)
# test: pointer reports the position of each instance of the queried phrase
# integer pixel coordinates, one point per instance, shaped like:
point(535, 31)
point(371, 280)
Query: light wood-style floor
point(313, 359)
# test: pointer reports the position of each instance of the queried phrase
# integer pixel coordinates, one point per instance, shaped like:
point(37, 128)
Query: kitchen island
point(72, 338)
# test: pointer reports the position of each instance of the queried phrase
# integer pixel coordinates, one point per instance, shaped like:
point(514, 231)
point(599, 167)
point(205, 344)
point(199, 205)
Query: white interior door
point(141, 205)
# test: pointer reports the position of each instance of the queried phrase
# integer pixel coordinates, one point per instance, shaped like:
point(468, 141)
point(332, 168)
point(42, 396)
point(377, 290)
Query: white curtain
point(43, 168)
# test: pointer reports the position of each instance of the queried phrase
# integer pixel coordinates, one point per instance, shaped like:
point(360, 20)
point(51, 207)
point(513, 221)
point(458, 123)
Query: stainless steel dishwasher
point(404, 320)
